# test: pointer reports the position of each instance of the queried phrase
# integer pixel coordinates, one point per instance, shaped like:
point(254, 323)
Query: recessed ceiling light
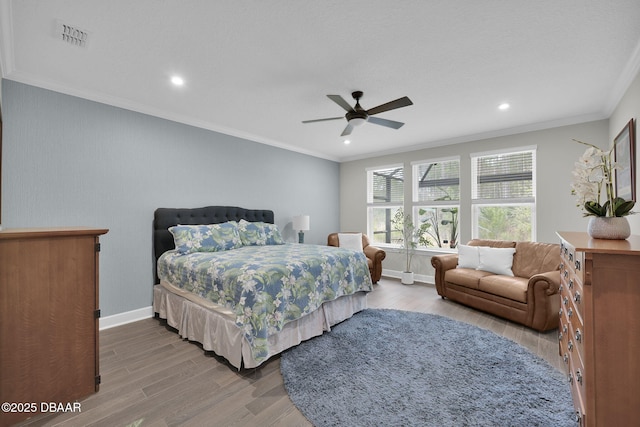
point(347, 142)
point(504, 106)
point(177, 80)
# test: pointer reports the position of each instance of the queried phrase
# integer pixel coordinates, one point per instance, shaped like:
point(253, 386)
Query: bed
point(224, 278)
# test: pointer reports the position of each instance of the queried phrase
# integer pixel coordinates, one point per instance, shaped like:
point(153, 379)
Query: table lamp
point(301, 223)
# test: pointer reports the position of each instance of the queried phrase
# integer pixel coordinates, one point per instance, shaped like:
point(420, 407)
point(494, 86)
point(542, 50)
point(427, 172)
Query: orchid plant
point(593, 181)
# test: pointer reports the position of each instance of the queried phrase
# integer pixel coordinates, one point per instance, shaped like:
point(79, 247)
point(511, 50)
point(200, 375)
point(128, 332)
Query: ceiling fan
point(357, 115)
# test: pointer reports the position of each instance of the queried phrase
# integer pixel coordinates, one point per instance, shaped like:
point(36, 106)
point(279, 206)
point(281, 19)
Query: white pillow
point(496, 260)
point(351, 241)
point(468, 257)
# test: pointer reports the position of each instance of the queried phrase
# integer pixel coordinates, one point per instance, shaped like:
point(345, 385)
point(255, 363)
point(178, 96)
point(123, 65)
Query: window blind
point(387, 185)
point(504, 176)
point(438, 180)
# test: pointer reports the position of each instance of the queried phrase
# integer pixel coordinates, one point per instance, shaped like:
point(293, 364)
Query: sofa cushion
point(468, 257)
point(496, 260)
point(513, 288)
point(465, 277)
point(533, 258)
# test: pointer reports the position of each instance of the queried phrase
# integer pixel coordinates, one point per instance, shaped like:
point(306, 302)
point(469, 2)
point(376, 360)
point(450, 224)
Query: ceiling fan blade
point(347, 130)
point(392, 105)
point(340, 101)
point(322, 120)
point(385, 122)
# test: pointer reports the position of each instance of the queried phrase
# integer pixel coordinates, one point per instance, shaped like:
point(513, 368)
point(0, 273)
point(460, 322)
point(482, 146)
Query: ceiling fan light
point(357, 121)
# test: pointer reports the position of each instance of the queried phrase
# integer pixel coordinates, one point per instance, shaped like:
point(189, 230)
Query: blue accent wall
point(68, 161)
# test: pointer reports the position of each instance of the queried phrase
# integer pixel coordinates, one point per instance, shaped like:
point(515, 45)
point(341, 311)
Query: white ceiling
point(257, 69)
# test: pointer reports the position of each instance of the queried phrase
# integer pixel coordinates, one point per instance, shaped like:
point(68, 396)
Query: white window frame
point(371, 204)
point(417, 204)
point(527, 201)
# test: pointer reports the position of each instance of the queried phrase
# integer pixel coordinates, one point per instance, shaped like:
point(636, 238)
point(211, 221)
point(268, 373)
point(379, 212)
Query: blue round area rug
point(399, 368)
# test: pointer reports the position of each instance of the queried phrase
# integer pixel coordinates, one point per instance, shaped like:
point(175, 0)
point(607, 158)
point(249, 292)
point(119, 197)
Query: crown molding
point(485, 135)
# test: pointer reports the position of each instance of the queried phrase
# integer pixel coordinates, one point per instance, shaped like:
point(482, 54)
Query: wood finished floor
point(151, 377)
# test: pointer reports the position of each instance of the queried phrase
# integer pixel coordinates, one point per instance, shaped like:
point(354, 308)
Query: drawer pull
point(570, 313)
point(579, 376)
point(577, 297)
point(560, 313)
point(566, 274)
point(565, 301)
point(577, 265)
point(570, 378)
point(571, 256)
point(570, 345)
point(578, 335)
point(560, 336)
point(565, 358)
point(577, 417)
point(571, 284)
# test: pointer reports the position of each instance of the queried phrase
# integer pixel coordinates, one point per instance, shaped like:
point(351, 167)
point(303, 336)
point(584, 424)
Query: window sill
point(421, 251)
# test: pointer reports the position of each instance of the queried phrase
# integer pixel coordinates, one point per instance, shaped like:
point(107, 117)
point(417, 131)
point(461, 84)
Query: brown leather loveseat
point(374, 255)
point(530, 297)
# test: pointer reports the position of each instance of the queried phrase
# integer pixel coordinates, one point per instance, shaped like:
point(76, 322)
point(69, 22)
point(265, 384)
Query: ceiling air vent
point(72, 34)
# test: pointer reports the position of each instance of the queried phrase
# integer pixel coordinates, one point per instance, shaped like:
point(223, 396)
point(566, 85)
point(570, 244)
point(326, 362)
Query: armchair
point(374, 255)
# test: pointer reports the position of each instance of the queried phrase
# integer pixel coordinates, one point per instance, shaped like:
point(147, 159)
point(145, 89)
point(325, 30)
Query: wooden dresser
point(48, 317)
point(600, 327)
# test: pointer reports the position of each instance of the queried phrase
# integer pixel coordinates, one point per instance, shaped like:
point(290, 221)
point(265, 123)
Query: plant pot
point(407, 278)
point(609, 227)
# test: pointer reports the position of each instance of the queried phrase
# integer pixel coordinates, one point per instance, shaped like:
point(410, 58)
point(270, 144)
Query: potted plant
point(404, 224)
point(593, 181)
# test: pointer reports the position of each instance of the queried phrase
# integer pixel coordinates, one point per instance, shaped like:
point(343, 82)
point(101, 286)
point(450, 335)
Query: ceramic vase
point(609, 227)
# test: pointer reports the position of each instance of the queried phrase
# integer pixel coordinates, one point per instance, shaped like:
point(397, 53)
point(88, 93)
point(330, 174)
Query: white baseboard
point(422, 278)
point(127, 317)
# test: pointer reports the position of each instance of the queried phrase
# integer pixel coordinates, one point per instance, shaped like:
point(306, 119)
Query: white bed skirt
point(214, 327)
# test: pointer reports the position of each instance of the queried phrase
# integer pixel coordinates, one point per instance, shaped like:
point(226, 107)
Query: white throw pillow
point(468, 257)
point(496, 260)
point(351, 241)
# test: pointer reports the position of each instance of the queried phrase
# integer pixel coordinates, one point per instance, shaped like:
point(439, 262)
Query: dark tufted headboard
point(163, 218)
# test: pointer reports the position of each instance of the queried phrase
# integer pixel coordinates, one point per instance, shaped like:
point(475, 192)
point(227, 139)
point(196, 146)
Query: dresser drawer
point(572, 261)
point(576, 379)
point(572, 291)
point(572, 328)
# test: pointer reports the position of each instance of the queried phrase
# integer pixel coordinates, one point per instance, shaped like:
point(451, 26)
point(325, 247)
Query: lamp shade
point(301, 222)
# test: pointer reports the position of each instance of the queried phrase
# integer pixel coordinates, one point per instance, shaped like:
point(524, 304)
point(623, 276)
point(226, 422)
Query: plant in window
point(453, 222)
point(593, 182)
point(429, 230)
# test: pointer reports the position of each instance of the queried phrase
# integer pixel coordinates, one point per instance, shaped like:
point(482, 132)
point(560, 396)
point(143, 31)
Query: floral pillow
point(252, 233)
point(206, 238)
point(273, 234)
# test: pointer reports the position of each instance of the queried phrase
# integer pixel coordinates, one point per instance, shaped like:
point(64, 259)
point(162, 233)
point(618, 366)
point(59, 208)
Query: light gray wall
point(629, 108)
point(555, 209)
point(68, 161)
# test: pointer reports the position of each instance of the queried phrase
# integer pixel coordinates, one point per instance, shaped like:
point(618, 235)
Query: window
point(503, 195)
point(385, 196)
point(436, 202)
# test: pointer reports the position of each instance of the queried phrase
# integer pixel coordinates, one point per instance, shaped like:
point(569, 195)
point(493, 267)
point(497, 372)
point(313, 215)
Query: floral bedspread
point(268, 286)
